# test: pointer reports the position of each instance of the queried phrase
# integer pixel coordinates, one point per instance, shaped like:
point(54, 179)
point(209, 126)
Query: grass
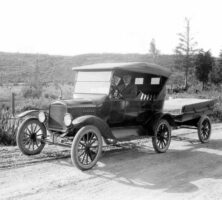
point(49, 94)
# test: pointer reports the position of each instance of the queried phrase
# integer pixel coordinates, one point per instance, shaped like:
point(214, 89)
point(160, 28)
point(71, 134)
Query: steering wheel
point(116, 93)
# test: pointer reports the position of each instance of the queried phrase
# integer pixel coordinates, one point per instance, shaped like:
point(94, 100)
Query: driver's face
point(127, 79)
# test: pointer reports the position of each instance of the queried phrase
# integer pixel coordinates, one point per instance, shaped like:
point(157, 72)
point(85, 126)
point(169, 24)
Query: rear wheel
point(30, 137)
point(86, 147)
point(162, 136)
point(204, 129)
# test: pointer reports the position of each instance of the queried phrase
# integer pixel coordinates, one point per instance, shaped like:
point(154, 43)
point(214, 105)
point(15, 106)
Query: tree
point(154, 51)
point(216, 75)
point(35, 80)
point(185, 51)
point(204, 63)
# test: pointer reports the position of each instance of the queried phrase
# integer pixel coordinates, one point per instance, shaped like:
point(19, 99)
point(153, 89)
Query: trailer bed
point(185, 109)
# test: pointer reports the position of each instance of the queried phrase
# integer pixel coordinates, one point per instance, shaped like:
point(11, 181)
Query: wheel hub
point(33, 137)
point(87, 148)
point(161, 135)
point(206, 128)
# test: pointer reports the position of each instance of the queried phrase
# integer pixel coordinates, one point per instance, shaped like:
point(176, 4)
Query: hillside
point(17, 67)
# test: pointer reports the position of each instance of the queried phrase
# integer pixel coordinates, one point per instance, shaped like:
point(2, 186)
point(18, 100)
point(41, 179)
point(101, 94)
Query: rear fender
point(156, 117)
point(169, 119)
point(95, 121)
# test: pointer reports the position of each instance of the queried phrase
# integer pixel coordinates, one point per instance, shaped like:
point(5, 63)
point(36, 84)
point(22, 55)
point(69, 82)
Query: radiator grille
point(56, 117)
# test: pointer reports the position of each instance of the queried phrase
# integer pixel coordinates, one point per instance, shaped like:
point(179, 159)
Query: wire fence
point(8, 129)
point(8, 122)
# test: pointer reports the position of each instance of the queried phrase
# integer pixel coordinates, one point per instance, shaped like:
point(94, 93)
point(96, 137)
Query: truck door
point(117, 111)
point(131, 111)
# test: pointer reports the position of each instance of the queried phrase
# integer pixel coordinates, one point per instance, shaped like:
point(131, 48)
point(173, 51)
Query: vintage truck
point(98, 113)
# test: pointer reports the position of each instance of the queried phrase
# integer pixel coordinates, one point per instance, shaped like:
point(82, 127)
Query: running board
point(122, 133)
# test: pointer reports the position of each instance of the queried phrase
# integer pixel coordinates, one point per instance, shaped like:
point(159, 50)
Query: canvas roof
point(148, 68)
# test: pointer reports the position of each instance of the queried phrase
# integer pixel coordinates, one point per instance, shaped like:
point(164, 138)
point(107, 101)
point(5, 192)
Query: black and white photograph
point(110, 100)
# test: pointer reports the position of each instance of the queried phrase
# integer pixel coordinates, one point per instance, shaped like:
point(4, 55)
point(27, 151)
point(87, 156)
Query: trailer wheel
point(86, 147)
point(204, 129)
point(30, 137)
point(162, 136)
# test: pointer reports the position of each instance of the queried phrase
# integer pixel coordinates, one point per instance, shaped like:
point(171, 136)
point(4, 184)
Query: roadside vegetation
point(27, 97)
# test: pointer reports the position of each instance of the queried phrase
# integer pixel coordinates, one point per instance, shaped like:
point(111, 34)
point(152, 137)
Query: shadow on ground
point(174, 171)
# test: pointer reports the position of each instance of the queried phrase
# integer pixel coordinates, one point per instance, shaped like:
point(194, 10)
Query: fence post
point(13, 103)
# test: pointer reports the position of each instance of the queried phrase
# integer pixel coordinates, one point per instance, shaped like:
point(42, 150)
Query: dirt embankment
point(189, 170)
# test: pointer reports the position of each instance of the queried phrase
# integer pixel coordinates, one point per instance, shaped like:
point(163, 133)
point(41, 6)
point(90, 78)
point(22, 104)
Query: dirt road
point(189, 170)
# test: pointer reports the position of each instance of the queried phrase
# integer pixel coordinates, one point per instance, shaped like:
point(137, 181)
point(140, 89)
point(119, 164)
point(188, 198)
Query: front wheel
point(162, 136)
point(86, 147)
point(204, 129)
point(30, 137)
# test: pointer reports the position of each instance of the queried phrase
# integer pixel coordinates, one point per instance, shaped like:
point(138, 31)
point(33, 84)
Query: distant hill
point(17, 67)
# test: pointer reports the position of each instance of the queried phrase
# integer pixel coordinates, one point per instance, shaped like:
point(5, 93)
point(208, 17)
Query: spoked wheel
point(162, 136)
point(86, 147)
point(204, 129)
point(30, 137)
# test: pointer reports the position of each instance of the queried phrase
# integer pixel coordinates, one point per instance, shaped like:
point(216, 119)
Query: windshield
point(93, 82)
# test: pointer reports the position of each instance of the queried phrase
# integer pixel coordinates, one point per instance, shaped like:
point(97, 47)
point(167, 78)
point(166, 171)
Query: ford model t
point(112, 102)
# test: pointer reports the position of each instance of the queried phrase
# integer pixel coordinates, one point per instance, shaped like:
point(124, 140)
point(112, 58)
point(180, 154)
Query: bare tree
point(36, 80)
point(52, 70)
point(154, 51)
point(186, 50)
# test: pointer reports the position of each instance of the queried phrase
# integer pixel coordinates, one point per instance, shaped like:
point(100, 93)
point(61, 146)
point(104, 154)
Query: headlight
point(67, 119)
point(42, 116)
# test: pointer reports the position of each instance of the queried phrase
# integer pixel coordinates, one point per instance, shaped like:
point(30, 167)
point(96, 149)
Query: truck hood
point(83, 101)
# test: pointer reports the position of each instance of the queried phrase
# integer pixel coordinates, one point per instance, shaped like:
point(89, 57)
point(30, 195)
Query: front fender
point(27, 119)
point(28, 113)
point(98, 122)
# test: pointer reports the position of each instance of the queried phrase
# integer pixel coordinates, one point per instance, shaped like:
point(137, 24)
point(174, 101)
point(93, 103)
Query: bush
point(6, 138)
point(216, 116)
point(32, 104)
point(50, 96)
point(31, 92)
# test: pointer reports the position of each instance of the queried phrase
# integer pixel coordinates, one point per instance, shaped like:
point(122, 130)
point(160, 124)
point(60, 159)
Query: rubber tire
point(20, 134)
point(200, 122)
point(154, 138)
point(78, 136)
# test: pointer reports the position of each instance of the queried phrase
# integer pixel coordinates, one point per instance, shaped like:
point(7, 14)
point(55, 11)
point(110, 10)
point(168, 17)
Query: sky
point(72, 27)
